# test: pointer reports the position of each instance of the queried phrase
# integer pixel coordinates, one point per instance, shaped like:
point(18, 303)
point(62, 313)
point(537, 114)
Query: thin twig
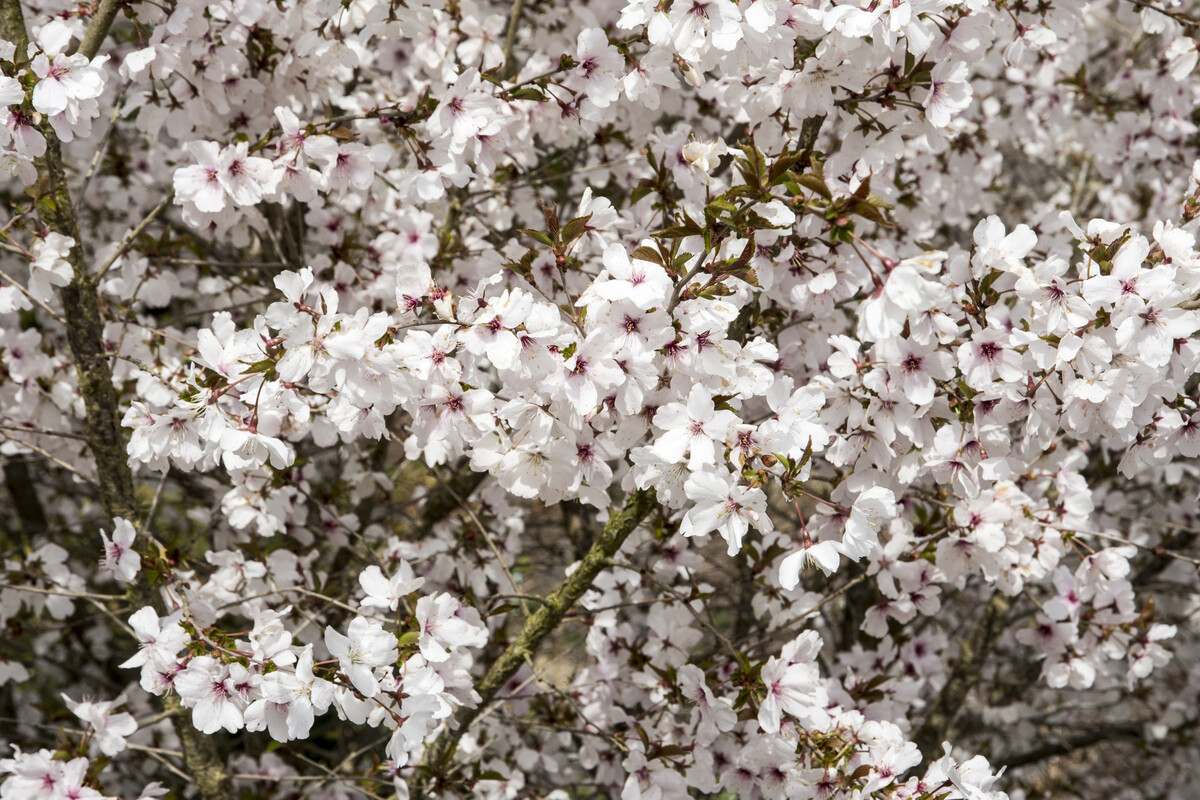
point(28, 296)
point(510, 37)
point(492, 544)
point(129, 238)
point(50, 457)
point(61, 593)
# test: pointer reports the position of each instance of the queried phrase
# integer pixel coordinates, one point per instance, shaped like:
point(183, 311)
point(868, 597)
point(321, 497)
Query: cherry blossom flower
point(691, 430)
point(792, 685)
point(987, 357)
point(716, 714)
point(590, 372)
point(159, 639)
point(870, 511)
point(365, 647)
point(724, 506)
point(63, 80)
point(245, 178)
point(110, 730)
point(826, 556)
point(214, 691)
point(949, 92)
point(445, 626)
point(120, 559)
point(384, 592)
point(492, 331)
point(291, 701)
point(643, 283)
point(696, 26)
point(200, 184)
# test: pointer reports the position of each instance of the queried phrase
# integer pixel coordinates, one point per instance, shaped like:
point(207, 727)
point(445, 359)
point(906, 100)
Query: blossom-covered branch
point(757, 399)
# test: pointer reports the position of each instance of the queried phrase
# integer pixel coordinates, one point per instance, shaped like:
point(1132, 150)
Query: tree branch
point(510, 68)
point(85, 334)
point(537, 627)
point(97, 29)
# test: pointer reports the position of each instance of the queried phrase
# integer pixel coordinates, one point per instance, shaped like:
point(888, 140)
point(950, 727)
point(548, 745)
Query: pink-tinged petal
point(50, 97)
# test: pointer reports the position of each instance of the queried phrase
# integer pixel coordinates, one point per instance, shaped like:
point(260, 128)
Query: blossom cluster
point(757, 399)
point(267, 682)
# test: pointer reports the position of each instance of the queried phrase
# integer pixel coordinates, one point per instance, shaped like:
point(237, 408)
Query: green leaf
point(782, 166)
point(645, 253)
point(753, 167)
point(814, 183)
point(808, 451)
point(870, 211)
point(864, 190)
point(528, 93)
point(266, 366)
point(681, 262)
point(575, 228)
point(678, 232)
point(540, 236)
point(721, 402)
point(490, 775)
point(671, 751)
point(717, 205)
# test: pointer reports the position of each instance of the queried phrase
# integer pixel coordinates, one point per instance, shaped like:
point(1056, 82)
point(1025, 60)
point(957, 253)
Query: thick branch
point(97, 29)
point(85, 333)
point(537, 627)
point(81, 307)
point(200, 755)
point(12, 27)
point(510, 38)
point(810, 129)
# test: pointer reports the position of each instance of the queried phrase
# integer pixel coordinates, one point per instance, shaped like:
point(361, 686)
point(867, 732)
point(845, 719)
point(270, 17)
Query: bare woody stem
point(538, 626)
point(200, 755)
point(97, 29)
point(81, 306)
point(85, 334)
point(510, 37)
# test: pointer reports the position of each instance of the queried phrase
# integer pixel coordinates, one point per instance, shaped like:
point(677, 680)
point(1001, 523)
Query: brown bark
point(85, 334)
point(538, 626)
